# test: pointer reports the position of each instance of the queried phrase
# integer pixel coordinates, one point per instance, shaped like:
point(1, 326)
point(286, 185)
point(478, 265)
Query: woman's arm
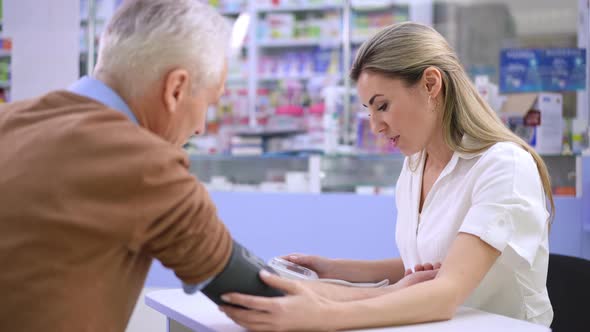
point(345, 293)
point(467, 263)
point(369, 270)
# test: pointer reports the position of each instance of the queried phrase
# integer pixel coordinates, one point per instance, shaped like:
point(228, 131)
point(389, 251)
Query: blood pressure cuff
point(240, 275)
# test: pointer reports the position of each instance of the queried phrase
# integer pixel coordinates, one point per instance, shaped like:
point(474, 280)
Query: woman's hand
point(423, 267)
point(420, 274)
point(415, 278)
point(306, 304)
point(301, 308)
point(324, 267)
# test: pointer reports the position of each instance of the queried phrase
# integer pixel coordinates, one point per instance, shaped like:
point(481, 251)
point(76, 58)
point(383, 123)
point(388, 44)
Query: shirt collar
point(95, 89)
point(466, 141)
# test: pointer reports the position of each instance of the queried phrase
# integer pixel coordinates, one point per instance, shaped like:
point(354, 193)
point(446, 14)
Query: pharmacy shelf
point(278, 43)
point(84, 53)
point(99, 21)
point(236, 79)
point(4, 85)
point(269, 132)
point(261, 43)
point(295, 8)
point(375, 5)
point(297, 155)
point(233, 12)
point(297, 77)
point(358, 40)
point(4, 54)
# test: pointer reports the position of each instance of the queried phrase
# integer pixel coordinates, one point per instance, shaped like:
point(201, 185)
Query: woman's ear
point(432, 80)
point(175, 86)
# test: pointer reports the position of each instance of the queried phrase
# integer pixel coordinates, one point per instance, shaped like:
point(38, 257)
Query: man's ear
point(175, 86)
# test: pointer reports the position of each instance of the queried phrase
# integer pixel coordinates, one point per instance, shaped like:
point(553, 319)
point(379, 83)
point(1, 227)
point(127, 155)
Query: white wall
point(45, 36)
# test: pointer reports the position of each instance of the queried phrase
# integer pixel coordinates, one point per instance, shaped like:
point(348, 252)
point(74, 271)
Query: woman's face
point(405, 115)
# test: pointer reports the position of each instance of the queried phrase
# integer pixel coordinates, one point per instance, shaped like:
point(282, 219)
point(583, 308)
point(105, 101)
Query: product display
point(5, 69)
point(298, 61)
point(285, 92)
point(296, 3)
point(366, 23)
point(536, 118)
point(229, 6)
point(324, 26)
point(300, 64)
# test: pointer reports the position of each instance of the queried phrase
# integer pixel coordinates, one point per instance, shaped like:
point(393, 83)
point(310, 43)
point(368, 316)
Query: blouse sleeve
point(508, 208)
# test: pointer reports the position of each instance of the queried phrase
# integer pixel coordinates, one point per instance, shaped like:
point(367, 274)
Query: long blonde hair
point(403, 51)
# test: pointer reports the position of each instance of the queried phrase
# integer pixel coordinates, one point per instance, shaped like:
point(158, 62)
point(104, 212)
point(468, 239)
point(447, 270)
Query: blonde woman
point(471, 195)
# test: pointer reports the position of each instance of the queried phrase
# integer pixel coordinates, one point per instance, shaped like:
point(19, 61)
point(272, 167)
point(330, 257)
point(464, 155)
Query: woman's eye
point(382, 107)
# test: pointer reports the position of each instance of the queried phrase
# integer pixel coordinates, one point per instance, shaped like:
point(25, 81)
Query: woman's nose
point(376, 127)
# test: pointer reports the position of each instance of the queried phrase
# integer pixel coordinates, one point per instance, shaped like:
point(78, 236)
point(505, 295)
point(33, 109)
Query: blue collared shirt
point(95, 89)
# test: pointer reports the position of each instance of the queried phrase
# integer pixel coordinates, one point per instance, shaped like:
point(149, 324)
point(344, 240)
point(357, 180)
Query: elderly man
point(94, 183)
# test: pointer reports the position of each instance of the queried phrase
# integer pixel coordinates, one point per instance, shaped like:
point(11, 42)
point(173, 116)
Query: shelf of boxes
point(99, 21)
point(298, 77)
point(5, 49)
point(232, 12)
point(236, 79)
point(358, 40)
point(297, 48)
point(330, 6)
point(293, 47)
point(304, 42)
point(229, 7)
point(299, 45)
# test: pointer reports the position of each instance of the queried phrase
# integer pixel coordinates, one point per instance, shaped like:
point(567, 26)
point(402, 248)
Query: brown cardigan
point(87, 199)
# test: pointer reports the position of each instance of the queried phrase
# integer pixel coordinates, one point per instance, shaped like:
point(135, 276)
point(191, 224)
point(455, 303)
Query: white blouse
point(498, 196)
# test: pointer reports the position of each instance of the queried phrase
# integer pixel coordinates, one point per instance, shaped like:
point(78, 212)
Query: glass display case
point(360, 173)
point(365, 174)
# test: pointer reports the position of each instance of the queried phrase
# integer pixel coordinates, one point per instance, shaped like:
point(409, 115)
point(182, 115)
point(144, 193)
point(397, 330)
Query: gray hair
point(147, 38)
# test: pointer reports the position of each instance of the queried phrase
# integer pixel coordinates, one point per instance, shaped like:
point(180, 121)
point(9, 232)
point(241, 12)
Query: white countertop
point(197, 312)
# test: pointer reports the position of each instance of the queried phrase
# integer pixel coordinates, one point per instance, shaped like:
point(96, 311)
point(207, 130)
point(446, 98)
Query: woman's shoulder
point(509, 166)
point(504, 147)
point(508, 154)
